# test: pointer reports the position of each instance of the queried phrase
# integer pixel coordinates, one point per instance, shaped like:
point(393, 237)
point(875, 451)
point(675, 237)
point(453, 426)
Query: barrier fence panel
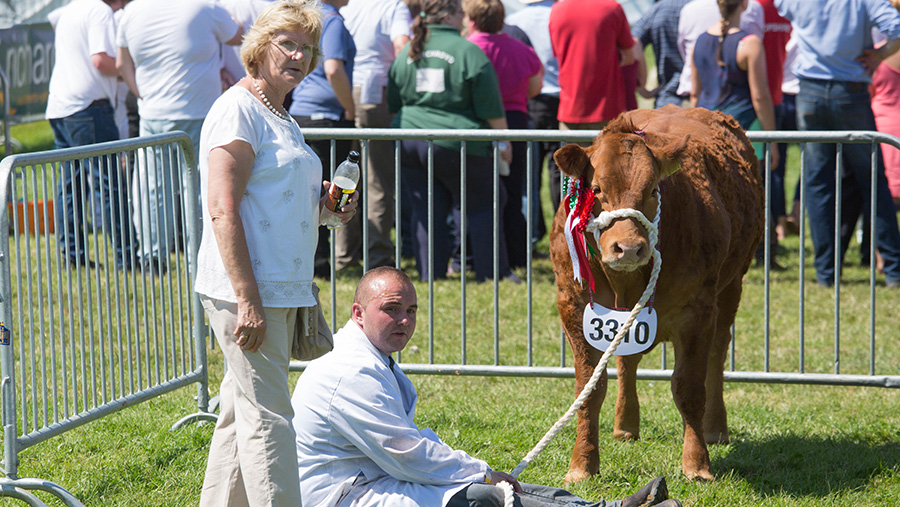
point(527, 351)
point(98, 311)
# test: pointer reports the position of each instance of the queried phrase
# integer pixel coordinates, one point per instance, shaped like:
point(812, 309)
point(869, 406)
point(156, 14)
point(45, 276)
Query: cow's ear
point(573, 161)
point(668, 151)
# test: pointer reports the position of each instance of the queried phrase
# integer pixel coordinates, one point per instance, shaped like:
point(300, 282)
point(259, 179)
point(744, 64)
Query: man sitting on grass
point(357, 442)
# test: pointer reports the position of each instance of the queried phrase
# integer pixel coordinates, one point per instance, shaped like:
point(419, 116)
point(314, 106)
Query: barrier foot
point(199, 416)
point(18, 489)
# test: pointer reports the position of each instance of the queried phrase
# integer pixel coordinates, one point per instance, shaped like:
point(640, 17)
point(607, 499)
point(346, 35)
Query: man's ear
point(573, 161)
point(356, 313)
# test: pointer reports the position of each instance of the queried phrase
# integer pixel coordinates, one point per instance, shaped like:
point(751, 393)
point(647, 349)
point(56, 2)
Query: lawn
point(791, 445)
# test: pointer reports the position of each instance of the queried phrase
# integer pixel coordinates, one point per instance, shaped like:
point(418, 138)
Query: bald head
point(371, 281)
point(384, 308)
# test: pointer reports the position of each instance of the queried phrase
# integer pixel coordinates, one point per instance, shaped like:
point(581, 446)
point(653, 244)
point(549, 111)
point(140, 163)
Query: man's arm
point(105, 64)
point(336, 74)
point(125, 66)
point(872, 58)
point(399, 42)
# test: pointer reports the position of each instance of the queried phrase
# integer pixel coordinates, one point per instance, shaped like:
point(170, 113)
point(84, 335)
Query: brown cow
point(712, 220)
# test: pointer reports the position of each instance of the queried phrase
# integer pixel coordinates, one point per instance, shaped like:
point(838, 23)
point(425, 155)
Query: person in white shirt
point(696, 17)
point(380, 29)
point(169, 57)
point(357, 442)
point(80, 108)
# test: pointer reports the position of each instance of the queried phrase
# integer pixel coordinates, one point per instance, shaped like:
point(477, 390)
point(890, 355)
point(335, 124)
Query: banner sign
point(26, 56)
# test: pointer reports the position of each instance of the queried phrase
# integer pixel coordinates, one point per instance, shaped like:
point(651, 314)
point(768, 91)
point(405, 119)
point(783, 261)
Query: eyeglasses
point(291, 48)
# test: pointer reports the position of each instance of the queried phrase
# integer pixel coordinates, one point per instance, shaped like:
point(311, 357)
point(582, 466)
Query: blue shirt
point(659, 27)
point(831, 34)
point(534, 20)
point(314, 96)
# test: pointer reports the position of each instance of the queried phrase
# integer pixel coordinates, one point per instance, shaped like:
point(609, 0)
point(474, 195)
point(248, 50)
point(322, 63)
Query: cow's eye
point(597, 190)
point(655, 192)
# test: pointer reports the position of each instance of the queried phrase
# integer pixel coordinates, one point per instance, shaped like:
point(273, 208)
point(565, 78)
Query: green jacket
point(451, 86)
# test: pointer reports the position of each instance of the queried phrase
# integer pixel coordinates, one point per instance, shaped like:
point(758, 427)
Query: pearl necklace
point(269, 104)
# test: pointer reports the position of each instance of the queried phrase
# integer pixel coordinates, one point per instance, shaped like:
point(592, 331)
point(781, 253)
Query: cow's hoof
point(699, 475)
point(576, 476)
point(625, 436)
point(717, 437)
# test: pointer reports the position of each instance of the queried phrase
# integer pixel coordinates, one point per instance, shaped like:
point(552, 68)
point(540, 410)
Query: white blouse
point(280, 207)
point(357, 442)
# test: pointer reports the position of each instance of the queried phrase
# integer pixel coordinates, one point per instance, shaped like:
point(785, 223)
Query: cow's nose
point(628, 252)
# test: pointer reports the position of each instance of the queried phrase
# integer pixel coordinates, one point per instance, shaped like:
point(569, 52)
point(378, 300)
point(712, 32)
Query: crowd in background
point(572, 64)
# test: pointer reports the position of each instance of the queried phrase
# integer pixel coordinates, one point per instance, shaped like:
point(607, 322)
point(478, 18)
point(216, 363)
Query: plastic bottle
point(343, 184)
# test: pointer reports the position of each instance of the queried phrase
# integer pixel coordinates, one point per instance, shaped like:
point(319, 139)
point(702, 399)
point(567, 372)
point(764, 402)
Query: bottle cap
point(353, 156)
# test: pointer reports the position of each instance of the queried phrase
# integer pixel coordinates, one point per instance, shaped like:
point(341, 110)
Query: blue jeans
point(840, 105)
point(157, 192)
point(92, 179)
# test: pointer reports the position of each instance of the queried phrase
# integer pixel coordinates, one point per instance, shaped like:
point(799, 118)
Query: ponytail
point(726, 9)
point(433, 12)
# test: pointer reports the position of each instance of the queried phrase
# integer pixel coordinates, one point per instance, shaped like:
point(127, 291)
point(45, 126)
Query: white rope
point(596, 226)
point(508, 493)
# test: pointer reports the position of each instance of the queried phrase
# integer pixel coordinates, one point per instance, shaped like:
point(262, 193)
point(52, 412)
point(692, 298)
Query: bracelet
point(487, 477)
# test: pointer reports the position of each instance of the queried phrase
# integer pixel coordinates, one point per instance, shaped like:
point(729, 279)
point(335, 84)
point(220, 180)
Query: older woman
point(260, 187)
point(442, 81)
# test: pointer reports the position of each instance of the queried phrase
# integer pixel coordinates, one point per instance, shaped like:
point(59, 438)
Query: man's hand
point(498, 477)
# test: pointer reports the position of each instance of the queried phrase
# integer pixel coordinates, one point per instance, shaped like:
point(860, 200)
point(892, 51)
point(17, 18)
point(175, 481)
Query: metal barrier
point(84, 335)
point(79, 342)
point(522, 363)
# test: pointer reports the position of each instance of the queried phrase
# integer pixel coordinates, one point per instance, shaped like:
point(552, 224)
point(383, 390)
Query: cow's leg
point(585, 454)
point(689, 390)
point(628, 410)
point(715, 420)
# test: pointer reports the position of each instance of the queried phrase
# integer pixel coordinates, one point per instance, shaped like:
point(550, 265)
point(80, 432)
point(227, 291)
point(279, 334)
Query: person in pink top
point(520, 75)
point(886, 106)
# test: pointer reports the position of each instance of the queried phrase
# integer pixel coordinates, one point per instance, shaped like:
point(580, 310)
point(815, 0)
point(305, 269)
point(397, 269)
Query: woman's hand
point(347, 210)
point(250, 330)
point(506, 152)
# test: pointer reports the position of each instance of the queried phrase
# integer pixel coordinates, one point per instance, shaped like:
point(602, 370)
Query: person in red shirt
point(591, 40)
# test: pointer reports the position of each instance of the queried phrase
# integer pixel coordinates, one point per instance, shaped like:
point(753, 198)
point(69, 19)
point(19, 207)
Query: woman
point(520, 74)
point(728, 72)
point(441, 81)
point(260, 187)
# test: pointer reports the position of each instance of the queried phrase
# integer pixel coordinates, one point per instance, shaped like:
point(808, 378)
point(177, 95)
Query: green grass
point(791, 445)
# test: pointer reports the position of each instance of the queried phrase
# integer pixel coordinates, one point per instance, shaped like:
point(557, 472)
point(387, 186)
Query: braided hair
point(726, 9)
point(433, 13)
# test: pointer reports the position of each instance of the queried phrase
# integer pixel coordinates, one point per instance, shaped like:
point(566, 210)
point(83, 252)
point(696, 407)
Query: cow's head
point(623, 169)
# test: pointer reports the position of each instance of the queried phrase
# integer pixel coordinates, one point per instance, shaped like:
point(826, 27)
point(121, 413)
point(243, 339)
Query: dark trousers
point(446, 196)
point(543, 110)
point(93, 180)
point(485, 495)
point(839, 105)
point(322, 147)
point(515, 226)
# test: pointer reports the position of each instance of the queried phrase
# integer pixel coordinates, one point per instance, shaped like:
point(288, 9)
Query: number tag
point(601, 325)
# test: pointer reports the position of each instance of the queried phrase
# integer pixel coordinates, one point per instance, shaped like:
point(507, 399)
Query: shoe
point(669, 503)
point(653, 493)
point(825, 283)
point(892, 284)
point(513, 278)
point(155, 267)
point(75, 261)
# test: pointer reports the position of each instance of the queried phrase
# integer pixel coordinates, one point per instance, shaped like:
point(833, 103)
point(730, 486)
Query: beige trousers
point(253, 453)
point(380, 191)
